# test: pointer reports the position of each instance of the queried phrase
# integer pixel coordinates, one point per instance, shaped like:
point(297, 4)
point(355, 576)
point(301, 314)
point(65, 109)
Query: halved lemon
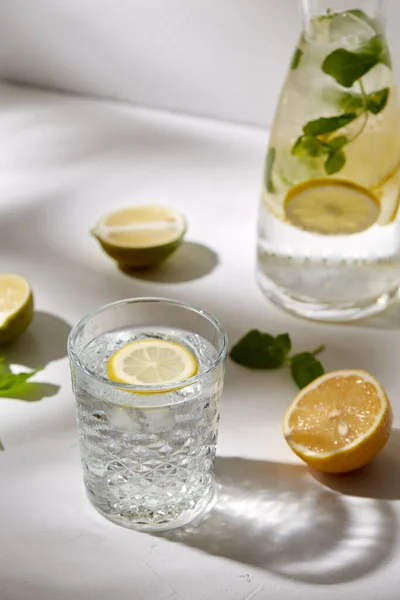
point(152, 362)
point(140, 236)
point(339, 422)
point(16, 306)
point(331, 207)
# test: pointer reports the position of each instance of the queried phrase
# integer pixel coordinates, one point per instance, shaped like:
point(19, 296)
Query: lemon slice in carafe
point(331, 207)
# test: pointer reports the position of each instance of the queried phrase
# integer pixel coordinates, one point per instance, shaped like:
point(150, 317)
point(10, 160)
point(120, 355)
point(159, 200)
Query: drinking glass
point(147, 451)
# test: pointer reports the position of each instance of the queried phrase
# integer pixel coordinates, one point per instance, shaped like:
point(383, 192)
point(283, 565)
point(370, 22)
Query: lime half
point(331, 207)
point(152, 362)
point(16, 306)
point(141, 236)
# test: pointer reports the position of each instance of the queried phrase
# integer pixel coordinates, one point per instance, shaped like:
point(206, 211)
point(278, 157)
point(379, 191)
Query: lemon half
point(339, 422)
point(16, 306)
point(331, 207)
point(152, 362)
point(141, 236)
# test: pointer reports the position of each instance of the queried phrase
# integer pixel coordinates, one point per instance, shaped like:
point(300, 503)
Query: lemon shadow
point(191, 261)
point(278, 518)
point(44, 341)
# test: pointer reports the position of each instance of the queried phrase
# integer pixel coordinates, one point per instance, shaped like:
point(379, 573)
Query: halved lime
point(152, 362)
point(140, 236)
point(331, 207)
point(16, 306)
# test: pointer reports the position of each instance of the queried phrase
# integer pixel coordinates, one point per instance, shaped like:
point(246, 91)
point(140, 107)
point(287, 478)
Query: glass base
point(324, 311)
point(183, 519)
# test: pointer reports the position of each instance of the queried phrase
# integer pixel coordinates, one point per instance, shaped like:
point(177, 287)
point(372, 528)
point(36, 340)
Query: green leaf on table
point(268, 170)
point(335, 162)
point(9, 380)
point(258, 350)
point(377, 101)
point(297, 56)
point(325, 125)
point(304, 368)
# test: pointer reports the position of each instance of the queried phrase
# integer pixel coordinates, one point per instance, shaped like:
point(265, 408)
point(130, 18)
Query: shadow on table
point(44, 341)
point(191, 261)
point(377, 481)
point(388, 319)
point(276, 517)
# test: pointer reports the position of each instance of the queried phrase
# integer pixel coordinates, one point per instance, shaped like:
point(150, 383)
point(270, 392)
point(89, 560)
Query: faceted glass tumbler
point(148, 451)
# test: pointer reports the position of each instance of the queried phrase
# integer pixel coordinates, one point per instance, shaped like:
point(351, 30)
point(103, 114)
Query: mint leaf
point(328, 124)
point(258, 350)
point(304, 368)
point(1, 447)
point(284, 342)
point(297, 56)
point(338, 142)
point(268, 170)
point(307, 145)
point(10, 380)
point(351, 102)
point(377, 101)
point(376, 47)
point(346, 67)
point(335, 162)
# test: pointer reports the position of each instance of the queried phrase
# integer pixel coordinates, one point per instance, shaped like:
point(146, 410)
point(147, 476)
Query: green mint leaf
point(284, 342)
point(10, 380)
point(347, 67)
point(377, 48)
point(297, 56)
point(351, 102)
point(377, 101)
point(338, 142)
point(304, 368)
point(335, 162)
point(268, 170)
point(258, 350)
point(328, 124)
point(307, 145)
point(1, 447)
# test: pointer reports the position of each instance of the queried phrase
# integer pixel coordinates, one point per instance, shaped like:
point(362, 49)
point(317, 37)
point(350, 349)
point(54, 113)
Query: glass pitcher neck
point(315, 8)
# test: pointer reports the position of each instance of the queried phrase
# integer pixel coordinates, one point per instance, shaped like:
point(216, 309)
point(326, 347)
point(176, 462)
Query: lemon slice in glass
point(140, 236)
point(152, 362)
point(16, 306)
point(331, 207)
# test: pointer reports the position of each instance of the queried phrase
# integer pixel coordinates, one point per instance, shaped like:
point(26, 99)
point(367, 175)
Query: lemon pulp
point(331, 207)
point(152, 362)
point(16, 306)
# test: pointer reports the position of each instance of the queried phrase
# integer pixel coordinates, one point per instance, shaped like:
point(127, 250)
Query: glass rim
point(159, 389)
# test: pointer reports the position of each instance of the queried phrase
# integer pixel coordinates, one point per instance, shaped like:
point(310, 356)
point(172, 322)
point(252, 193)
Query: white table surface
point(277, 532)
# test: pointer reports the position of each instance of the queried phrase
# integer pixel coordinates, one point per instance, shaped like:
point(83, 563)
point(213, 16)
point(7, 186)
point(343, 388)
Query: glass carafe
point(329, 230)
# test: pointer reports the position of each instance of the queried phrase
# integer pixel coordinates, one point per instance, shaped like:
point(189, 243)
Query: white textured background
point(222, 59)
